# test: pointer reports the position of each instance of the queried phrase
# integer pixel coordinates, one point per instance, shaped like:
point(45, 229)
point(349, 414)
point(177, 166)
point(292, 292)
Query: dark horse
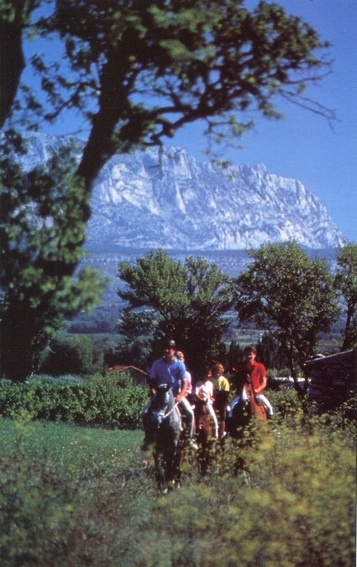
point(247, 408)
point(204, 431)
point(164, 421)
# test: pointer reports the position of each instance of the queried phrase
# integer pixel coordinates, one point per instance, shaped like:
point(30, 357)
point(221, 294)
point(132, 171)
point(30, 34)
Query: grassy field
point(74, 496)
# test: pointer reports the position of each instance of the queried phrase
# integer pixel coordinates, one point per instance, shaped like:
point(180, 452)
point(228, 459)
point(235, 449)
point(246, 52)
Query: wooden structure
point(139, 376)
point(333, 378)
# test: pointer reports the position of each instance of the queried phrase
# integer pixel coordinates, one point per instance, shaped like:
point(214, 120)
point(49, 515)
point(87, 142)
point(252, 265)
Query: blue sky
point(303, 145)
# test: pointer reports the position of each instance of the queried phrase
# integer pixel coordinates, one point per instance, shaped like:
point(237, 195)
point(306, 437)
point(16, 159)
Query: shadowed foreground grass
point(78, 496)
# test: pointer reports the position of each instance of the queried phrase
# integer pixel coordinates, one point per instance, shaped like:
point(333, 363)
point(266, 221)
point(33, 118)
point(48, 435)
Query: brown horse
point(204, 434)
point(247, 408)
point(258, 409)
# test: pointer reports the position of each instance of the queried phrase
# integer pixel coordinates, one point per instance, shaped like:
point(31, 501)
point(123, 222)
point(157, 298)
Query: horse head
point(161, 404)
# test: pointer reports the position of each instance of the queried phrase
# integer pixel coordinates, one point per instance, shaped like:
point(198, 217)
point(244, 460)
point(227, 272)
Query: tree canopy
point(139, 71)
point(41, 236)
point(136, 72)
point(187, 301)
point(346, 283)
point(289, 294)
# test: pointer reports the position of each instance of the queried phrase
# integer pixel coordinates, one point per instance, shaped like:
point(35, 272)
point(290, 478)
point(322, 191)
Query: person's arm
point(182, 393)
point(198, 392)
point(152, 386)
point(210, 393)
point(152, 379)
point(263, 383)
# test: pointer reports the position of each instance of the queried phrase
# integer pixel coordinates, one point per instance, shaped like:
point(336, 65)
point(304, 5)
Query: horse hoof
point(164, 489)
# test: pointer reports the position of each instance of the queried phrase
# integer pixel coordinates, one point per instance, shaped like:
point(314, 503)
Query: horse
point(164, 422)
point(204, 431)
point(247, 408)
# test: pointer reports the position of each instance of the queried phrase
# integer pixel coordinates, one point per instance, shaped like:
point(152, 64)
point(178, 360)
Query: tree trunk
point(11, 64)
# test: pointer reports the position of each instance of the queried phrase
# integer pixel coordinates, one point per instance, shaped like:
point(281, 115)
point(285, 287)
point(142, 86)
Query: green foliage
point(140, 72)
point(77, 354)
point(103, 320)
point(42, 229)
point(271, 354)
point(346, 283)
point(293, 296)
point(288, 407)
point(137, 73)
point(186, 301)
point(78, 496)
point(98, 401)
point(136, 351)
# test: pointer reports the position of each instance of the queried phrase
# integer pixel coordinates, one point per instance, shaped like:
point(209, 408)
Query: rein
point(171, 410)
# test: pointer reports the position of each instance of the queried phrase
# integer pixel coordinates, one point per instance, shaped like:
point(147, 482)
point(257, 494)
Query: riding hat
point(169, 344)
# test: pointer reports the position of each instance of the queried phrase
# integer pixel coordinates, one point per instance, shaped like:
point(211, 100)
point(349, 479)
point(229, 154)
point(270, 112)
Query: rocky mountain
point(165, 198)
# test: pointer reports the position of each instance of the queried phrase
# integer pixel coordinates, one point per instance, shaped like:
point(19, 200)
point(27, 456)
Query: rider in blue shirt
point(169, 370)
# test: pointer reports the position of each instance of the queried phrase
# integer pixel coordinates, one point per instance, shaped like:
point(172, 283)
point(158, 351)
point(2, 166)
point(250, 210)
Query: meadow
point(74, 495)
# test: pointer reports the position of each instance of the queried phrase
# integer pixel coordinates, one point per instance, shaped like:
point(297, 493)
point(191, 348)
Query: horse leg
point(167, 461)
point(160, 471)
point(258, 409)
point(221, 428)
point(174, 456)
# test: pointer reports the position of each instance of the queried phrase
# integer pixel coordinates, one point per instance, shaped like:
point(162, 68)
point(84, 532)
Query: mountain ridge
point(163, 197)
point(167, 199)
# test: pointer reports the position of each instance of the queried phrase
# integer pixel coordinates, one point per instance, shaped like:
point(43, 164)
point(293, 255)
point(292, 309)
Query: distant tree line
point(293, 297)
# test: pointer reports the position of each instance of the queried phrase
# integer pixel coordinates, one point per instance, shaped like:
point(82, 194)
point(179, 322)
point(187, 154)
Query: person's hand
point(178, 398)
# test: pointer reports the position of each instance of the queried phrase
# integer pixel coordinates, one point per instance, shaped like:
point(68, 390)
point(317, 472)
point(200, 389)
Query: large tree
point(187, 301)
point(139, 71)
point(41, 236)
point(14, 19)
point(286, 292)
point(346, 283)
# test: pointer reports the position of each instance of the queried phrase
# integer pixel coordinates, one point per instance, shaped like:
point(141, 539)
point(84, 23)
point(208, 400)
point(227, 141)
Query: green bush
point(75, 354)
point(286, 403)
point(96, 401)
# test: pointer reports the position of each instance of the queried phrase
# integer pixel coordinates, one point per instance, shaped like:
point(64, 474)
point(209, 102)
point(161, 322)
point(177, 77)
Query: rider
point(169, 370)
point(221, 395)
point(254, 372)
point(204, 392)
point(180, 356)
point(189, 390)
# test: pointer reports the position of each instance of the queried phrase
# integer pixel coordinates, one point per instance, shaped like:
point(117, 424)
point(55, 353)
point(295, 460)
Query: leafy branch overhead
point(139, 71)
point(136, 72)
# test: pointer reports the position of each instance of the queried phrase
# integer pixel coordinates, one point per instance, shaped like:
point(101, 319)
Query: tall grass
point(282, 497)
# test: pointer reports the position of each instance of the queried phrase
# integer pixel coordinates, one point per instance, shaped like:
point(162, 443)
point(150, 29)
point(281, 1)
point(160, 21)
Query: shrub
point(96, 401)
point(76, 354)
point(78, 496)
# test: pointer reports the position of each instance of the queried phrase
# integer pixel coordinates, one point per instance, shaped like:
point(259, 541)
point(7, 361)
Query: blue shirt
point(171, 373)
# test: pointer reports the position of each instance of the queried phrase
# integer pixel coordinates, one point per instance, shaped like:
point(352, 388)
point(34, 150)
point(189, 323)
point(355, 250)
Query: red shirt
point(255, 375)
